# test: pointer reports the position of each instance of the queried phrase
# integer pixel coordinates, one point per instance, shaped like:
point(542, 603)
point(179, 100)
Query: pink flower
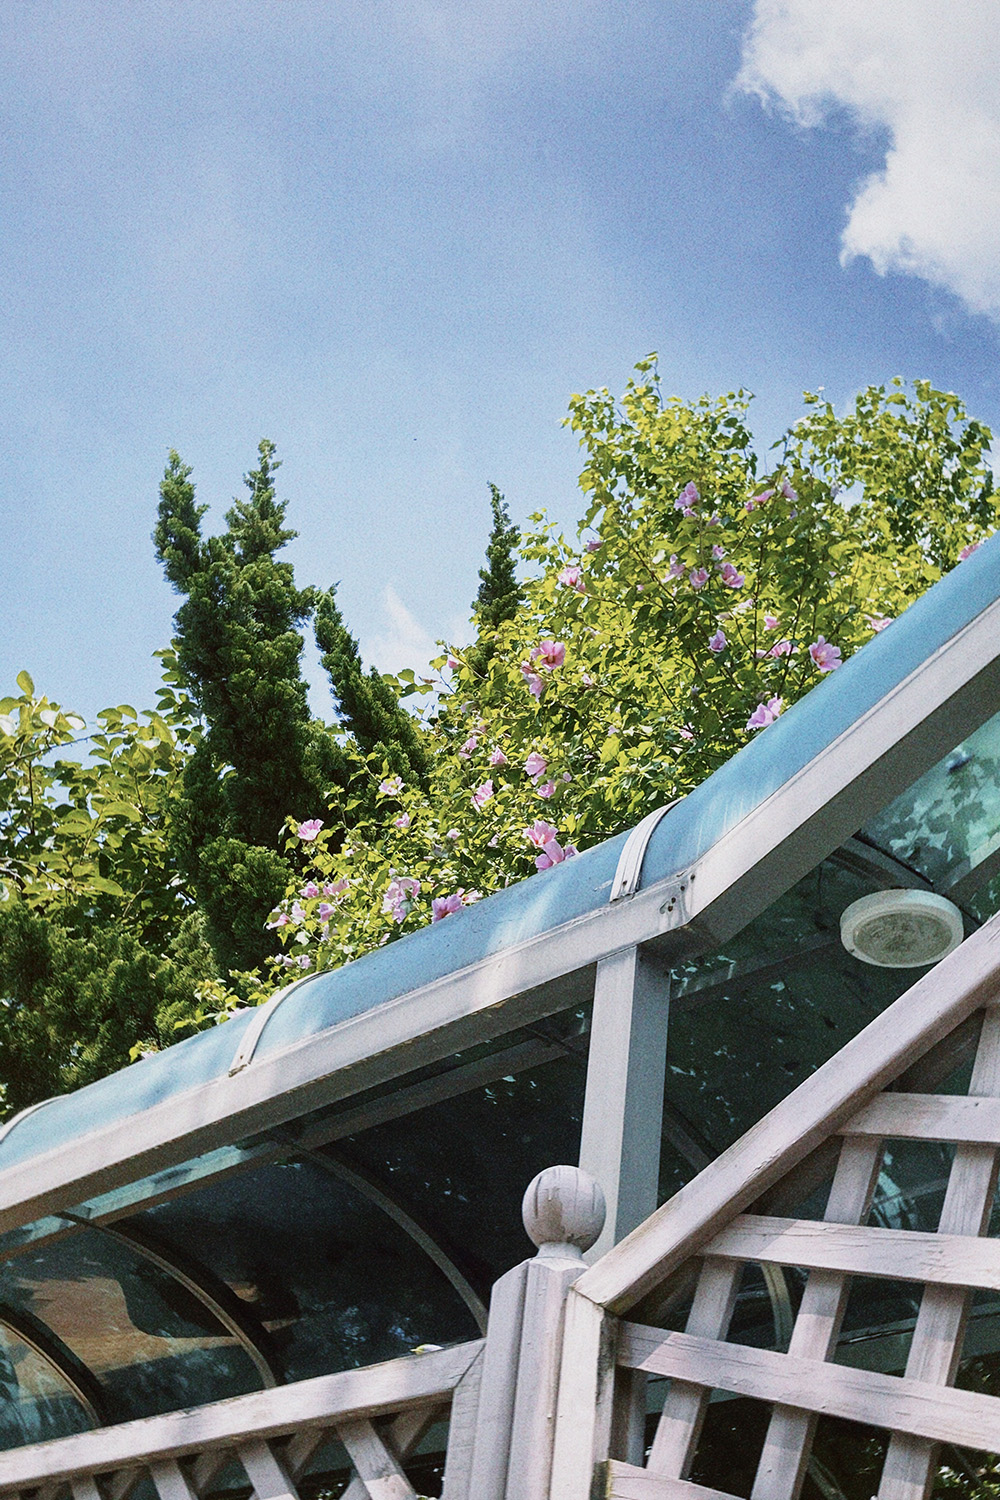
point(548, 790)
point(787, 491)
point(730, 577)
point(303, 961)
point(399, 896)
point(403, 821)
point(452, 834)
point(687, 499)
point(698, 578)
point(540, 832)
point(392, 786)
point(677, 569)
point(878, 622)
point(278, 919)
point(535, 685)
point(968, 551)
point(469, 747)
point(593, 546)
point(498, 758)
point(771, 622)
point(325, 911)
point(718, 552)
point(566, 776)
point(587, 681)
point(482, 794)
point(469, 898)
point(717, 642)
point(298, 914)
point(572, 578)
point(309, 891)
point(552, 853)
point(453, 663)
point(535, 765)
point(443, 906)
point(756, 500)
point(551, 654)
point(781, 648)
point(825, 654)
point(309, 830)
point(765, 713)
point(338, 888)
point(715, 520)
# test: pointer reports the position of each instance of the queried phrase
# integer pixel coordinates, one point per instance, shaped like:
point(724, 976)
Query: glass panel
point(911, 1185)
point(147, 1341)
point(950, 812)
point(333, 1280)
point(36, 1403)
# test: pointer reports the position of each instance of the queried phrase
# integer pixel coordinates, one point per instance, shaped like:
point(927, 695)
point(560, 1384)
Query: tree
point(703, 593)
point(499, 593)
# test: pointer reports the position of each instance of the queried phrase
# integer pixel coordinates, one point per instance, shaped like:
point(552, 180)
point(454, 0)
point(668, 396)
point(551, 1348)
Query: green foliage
point(499, 594)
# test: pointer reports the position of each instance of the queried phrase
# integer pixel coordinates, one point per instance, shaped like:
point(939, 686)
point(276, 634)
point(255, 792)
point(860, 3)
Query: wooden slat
point(413, 1380)
point(930, 1117)
point(169, 1479)
point(826, 1101)
point(84, 1488)
point(860, 1250)
point(626, 1482)
point(377, 1466)
point(940, 1326)
point(586, 1388)
point(403, 1434)
point(936, 1412)
point(266, 1472)
point(461, 1434)
point(790, 1431)
point(680, 1423)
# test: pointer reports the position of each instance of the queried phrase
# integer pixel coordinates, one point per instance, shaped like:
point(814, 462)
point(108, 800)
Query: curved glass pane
point(334, 1281)
point(148, 1342)
point(36, 1403)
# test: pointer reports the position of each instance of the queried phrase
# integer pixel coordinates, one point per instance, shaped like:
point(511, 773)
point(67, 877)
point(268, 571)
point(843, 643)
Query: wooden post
point(623, 1107)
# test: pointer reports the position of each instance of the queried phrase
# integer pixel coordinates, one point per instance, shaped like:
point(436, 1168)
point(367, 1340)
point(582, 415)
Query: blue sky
point(394, 238)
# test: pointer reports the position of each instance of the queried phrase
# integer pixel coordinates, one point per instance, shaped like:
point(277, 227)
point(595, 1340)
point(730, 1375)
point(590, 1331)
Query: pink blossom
point(756, 500)
point(698, 578)
point(825, 654)
point(469, 747)
point(482, 794)
point(715, 520)
point(771, 622)
point(443, 906)
point(781, 648)
point(535, 685)
point(309, 891)
point(403, 821)
point(303, 961)
point(593, 546)
point(400, 895)
point(718, 552)
point(787, 491)
point(677, 569)
point(553, 853)
point(337, 888)
point(498, 758)
point(765, 713)
point(392, 786)
point(572, 578)
point(968, 550)
point(587, 681)
point(453, 663)
point(717, 642)
point(278, 919)
point(730, 577)
point(548, 790)
point(686, 732)
point(540, 832)
point(566, 776)
point(325, 911)
point(469, 898)
point(452, 834)
point(551, 653)
point(535, 765)
point(687, 499)
point(878, 622)
point(309, 830)
point(298, 914)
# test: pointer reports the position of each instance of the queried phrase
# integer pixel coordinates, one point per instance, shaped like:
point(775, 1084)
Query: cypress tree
point(499, 592)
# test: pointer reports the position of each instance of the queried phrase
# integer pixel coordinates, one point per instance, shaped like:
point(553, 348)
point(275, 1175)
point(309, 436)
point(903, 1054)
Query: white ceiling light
point(902, 929)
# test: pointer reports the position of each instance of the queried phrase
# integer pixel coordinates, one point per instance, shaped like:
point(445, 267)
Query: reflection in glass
point(36, 1402)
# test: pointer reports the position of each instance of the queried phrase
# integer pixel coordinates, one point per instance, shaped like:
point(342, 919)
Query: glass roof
point(379, 1222)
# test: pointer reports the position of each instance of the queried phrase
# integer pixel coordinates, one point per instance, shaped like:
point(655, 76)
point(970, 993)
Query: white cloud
point(928, 71)
point(403, 641)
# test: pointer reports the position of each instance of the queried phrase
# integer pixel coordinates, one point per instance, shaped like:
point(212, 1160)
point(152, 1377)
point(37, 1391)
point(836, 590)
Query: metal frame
point(772, 847)
point(43, 1342)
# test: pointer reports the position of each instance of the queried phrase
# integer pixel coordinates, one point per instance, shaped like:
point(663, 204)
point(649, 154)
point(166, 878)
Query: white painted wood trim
point(625, 1482)
point(930, 1117)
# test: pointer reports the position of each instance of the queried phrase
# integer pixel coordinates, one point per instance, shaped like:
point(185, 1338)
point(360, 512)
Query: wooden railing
point(379, 1414)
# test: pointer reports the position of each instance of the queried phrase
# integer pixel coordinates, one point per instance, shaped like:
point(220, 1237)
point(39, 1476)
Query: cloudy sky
point(395, 237)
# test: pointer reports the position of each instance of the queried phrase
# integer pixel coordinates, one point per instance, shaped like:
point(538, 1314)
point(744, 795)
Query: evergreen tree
point(499, 594)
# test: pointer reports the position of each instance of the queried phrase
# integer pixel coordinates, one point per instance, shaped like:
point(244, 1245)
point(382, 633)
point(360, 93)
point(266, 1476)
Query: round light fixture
point(903, 929)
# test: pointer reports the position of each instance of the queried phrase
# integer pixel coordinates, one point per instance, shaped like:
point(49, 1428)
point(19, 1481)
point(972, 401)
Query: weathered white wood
point(85, 1488)
point(930, 1117)
point(462, 1434)
point(583, 1410)
point(117, 1486)
point(628, 1417)
point(905, 1254)
point(403, 1434)
point(936, 1412)
point(790, 1431)
point(529, 1467)
point(299, 1451)
point(937, 1337)
point(680, 1423)
point(827, 1100)
point(169, 1479)
point(413, 1380)
point(623, 1103)
point(266, 1472)
point(491, 1444)
point(378, 1467)
point(627, 1482)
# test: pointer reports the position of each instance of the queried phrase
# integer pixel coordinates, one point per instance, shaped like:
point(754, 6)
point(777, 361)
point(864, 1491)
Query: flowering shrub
point(699, 598)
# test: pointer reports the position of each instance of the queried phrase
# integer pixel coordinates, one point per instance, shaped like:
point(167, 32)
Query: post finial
point(563, 1207)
